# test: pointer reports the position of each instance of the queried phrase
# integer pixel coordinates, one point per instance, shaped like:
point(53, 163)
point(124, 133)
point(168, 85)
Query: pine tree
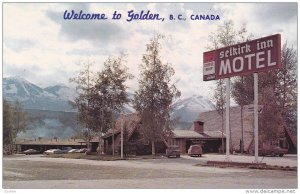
point(155, 93)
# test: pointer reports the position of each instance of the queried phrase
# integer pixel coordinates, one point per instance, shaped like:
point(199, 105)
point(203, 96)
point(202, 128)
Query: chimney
point(40, 138)
point(55, 138)
point(199, 126)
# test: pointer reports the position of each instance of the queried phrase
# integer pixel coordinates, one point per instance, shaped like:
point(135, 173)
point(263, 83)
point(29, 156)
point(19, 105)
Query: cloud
point(18, 44)
point(269, 13)
point(98, 32)
point(39, 40)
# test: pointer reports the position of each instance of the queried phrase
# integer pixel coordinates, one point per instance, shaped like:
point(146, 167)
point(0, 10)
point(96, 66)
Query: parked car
point(82, 150)
point(53, 151)
point(66, 150)
point(173, 150)
point(73, 151)
point(31, 151)
point(270, 149)
point(195, 150)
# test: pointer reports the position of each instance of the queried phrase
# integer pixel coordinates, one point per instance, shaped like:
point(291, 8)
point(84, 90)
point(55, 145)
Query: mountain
point(50, 113)
point(49, 124)
point(188, 109)
point(34, 97)
point(62, 91)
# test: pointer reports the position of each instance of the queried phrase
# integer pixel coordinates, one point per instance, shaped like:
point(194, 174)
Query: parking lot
point(35, 171)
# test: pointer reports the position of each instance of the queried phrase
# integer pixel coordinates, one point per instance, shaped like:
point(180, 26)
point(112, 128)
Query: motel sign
point(241, 59)
point(250, 57)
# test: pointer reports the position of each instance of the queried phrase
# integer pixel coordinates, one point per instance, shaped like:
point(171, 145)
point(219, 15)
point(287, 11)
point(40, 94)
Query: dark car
point(173, 151)
point(272, 150)
point(195, 150)
point(31, 151)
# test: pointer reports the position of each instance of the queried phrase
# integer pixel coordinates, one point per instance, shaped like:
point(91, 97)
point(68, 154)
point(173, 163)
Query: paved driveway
point(39, 172)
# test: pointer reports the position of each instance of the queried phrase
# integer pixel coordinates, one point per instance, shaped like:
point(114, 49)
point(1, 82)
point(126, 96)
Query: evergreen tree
point(155, 93)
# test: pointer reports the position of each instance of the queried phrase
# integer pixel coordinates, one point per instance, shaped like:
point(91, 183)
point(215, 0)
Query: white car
point(83, 150)
point(53, 151)
point(73, 151)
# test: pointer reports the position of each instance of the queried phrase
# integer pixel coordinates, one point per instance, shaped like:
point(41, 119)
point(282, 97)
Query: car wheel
point(280, 155)
point(178, 156)
point(273, 154)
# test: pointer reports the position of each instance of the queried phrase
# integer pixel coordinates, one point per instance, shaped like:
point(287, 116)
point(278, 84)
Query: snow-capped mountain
point(62, 91)
point(188, 109)
point(35, 97)
point(57, 98)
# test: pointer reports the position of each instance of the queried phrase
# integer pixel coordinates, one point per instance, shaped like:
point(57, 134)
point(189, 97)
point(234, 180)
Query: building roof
point(193, 134)
point(65, 142)
point(129, 122)
point(186, 134)
point(213, 125)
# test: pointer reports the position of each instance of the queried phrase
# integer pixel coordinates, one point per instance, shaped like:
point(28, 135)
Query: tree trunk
point(99, 146)
point(153, 147)
point(11, 144)
point(113, 143)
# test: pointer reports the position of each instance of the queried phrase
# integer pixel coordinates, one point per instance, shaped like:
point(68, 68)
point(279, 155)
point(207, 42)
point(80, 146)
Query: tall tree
point(7, 125)
point(286, 86)
point(84, 82)
point(101, 95)
point(155, 93)
point(277, 92)
point(226, 35)
point(109, 94)
point(14, 122)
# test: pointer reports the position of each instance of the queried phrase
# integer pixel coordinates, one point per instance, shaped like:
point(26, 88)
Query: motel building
point(205, 131)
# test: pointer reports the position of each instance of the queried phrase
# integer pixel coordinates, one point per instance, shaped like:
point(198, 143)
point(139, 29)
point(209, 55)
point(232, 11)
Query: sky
point(42, 47)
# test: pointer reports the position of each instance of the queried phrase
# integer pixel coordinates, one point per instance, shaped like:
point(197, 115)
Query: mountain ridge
point(58, 97)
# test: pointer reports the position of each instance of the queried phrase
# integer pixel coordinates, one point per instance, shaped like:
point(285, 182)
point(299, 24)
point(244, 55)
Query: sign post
point(245, 58)
point(256, 117)
point(227, 118)
point(122, 128)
